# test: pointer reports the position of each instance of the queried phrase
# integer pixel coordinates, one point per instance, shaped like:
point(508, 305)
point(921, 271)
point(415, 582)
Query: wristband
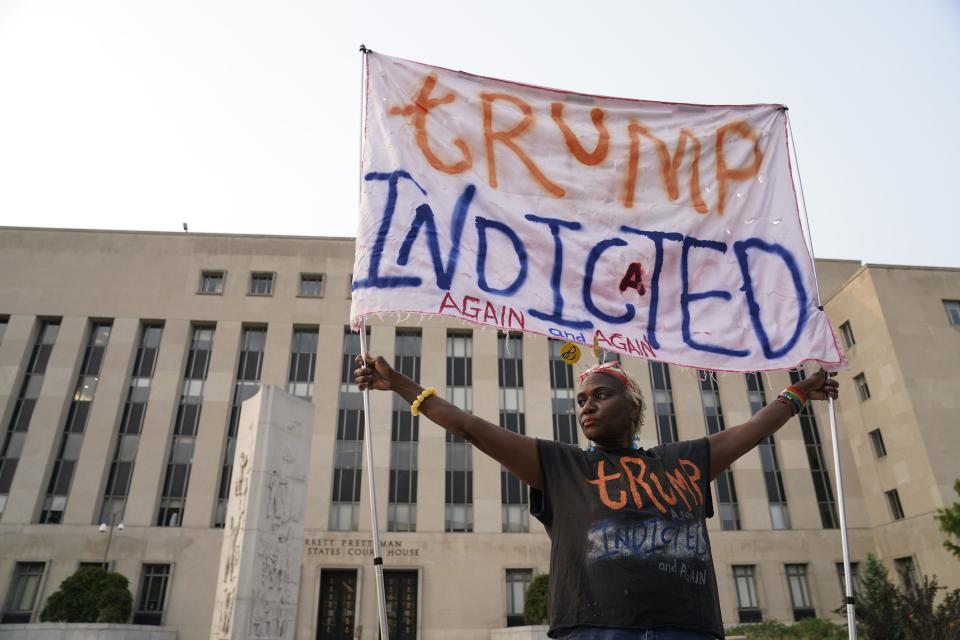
point(791, 398)
point(426, 393)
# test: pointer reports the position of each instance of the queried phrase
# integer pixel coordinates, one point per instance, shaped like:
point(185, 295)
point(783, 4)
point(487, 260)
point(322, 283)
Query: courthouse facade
point(124, 358)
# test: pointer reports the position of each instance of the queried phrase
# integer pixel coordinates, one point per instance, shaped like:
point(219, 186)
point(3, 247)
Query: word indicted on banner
point(660, 230)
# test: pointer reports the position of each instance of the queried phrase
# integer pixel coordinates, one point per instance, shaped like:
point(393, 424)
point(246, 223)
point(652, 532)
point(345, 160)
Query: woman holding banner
point(630, 557)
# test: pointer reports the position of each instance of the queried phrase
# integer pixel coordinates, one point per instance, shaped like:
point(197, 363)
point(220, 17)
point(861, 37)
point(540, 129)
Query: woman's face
point(605, 412)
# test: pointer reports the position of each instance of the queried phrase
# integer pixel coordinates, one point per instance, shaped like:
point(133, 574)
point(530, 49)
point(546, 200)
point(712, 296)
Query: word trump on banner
point(662, 230)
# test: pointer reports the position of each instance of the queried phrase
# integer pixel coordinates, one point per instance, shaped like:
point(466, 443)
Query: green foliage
point(880, 606)
point(818, 629)
point(90, 595)
point(809, 629)
point(766, 630)
point(535, 602)
point(886, 612)
point(949, 520)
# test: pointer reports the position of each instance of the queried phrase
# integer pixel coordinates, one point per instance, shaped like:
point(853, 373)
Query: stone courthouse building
point(124, 357)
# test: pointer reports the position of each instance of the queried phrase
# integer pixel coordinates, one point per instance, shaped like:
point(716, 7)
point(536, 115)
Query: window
point(131, 421)
point(404, 438)
point(180, 459)
point(863, 391)
point(16, 435)
point(907, 571)
point(303, 362)
point(211, 282)
point(952, 307)
point(458, 480)
point(61, 475)
point(245, 386)
point(349, 285)
point(348, 451)
point(818, 465)
point(876, 439)
point(311, 285)
point(3, 326)
point(726, 489)
point(513, 493)
point(854, 574)
point(261, 284)
point(799, 592)
point(846, 334)
point(767, 448)
point(153, 594)
point(517, 582)
point(746, 586)
point(22, 594)
point(561, 396)
point(663, 402)
point(893, 501)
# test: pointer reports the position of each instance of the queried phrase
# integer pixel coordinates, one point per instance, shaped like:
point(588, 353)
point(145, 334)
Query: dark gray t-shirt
point(629, 537)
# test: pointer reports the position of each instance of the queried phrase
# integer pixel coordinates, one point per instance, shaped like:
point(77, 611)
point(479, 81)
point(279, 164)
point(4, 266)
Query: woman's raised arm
point(516, 452)
point(728, 445)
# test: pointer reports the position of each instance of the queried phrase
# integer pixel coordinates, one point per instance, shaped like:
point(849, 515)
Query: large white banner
point(662, 230)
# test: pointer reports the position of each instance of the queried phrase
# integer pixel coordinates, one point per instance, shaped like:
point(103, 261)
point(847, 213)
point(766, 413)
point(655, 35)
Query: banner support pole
point(834, 436)
point(372, 485)
point(367, 431)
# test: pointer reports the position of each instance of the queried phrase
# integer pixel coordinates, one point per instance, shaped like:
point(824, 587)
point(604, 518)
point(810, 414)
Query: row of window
point(749, 605)
point(262, 283)
point(338, 589)
point(21, 603)
point(952, 307)
point(347, 475)
point(337, 600)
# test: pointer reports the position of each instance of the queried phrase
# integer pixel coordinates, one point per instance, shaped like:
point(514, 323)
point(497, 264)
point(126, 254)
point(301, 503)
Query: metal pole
point(367, 431)
point(847, 575)
point(835, 439)
point(106, 552)
point(374, 523)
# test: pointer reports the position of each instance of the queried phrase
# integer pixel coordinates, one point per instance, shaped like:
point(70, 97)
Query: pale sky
point(243, 117)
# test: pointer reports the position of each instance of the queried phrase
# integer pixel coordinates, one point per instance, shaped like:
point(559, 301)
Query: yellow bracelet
point(415, 407)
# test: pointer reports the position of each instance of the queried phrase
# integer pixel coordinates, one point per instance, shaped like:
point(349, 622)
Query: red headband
point(609, 368)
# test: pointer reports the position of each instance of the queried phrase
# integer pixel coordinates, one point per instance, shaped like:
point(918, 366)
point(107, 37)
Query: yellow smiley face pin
point(570, 352)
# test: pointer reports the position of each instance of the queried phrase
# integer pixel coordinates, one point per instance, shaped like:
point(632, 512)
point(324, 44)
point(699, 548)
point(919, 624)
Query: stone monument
point(259, 578)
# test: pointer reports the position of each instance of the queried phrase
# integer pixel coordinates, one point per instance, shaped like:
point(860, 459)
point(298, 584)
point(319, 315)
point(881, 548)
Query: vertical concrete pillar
point(258, 581)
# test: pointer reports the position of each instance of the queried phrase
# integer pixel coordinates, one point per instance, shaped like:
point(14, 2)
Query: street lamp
point(108, 529)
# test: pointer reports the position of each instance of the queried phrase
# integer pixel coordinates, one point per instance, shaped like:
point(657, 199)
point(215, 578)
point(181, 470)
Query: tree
point(888, 613)
point(880, 607)
point(535, 602)
point(92, 594)
point(949, 520)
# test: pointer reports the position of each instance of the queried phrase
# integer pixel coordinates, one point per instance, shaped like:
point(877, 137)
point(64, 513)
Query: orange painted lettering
point(506, 138)
point(671, 497)
point(679, 483)
point(633, 164)
point(422, 105)
point(601, 484)
point(725, 174)
point(670, 166)
point(693, 474)
point(637, 479)
point(589, 158)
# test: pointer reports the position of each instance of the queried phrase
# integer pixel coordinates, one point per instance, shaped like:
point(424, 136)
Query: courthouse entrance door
point(338, 604)
point(401, 596)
